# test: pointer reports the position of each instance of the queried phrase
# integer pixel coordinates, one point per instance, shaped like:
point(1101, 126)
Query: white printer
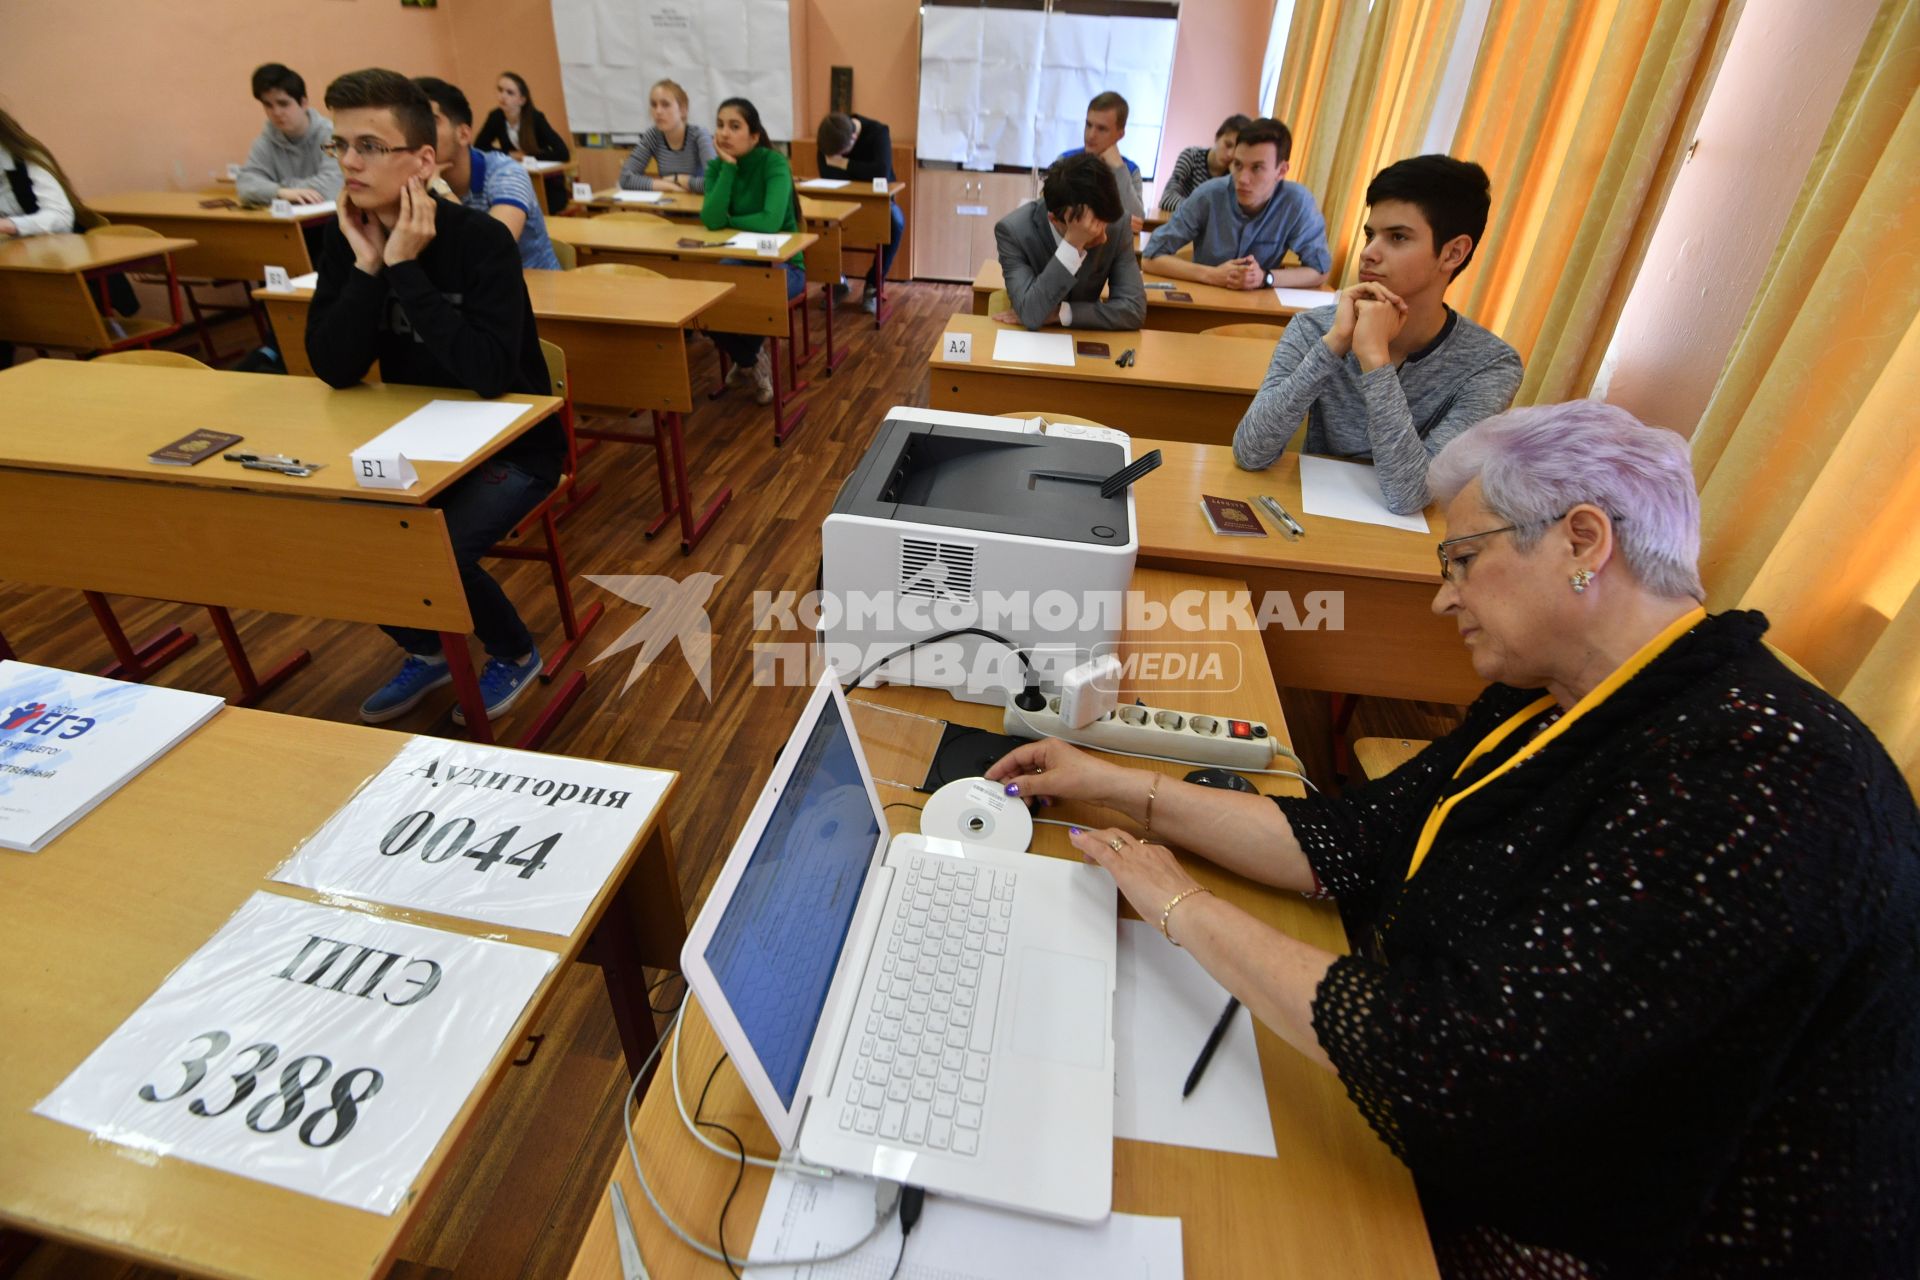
point(994, 528)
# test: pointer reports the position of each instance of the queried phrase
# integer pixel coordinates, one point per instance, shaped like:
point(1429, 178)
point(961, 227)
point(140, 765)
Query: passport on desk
point(193, 447)
point(1231, 516)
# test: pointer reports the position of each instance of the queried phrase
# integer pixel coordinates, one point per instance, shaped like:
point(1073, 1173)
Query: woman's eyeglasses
point(1454, 568)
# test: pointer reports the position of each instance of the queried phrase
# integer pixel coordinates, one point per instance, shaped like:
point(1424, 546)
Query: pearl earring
point(1581, 578)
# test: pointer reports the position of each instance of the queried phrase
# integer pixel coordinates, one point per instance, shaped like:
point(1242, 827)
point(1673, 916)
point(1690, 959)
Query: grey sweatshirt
point(279, 161)
point(1396, 418)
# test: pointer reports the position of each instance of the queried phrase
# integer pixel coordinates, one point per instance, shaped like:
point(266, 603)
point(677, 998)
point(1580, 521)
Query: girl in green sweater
point(750, 188)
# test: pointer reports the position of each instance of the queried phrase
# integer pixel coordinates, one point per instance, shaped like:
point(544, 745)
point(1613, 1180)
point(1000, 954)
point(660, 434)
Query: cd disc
point(975, 811)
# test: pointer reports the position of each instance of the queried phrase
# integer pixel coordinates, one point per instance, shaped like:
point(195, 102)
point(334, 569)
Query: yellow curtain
point(1580, 111)
point(1808, 454)
point(1357, 87)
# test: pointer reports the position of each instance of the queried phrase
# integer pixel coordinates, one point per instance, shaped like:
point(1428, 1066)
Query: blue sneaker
point(418, 677)
point(501, 685)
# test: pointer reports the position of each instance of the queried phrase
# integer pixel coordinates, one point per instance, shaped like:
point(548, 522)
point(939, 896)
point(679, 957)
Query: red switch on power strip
point(1240, 728)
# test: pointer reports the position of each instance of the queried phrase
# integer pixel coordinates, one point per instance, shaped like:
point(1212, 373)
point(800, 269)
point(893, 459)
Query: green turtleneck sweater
point(755, 194)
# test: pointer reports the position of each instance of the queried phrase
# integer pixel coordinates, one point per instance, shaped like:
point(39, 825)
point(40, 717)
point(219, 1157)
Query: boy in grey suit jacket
point(1058, 253)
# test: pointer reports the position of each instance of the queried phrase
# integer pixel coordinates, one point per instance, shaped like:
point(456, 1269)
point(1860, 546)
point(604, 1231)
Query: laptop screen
point(775, 949)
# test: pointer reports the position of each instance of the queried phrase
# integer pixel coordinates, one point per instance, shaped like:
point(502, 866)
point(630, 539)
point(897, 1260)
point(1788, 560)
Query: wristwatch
point(1269, 280)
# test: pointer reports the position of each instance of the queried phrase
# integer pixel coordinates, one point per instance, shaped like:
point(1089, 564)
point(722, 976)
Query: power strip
point(1155, 731)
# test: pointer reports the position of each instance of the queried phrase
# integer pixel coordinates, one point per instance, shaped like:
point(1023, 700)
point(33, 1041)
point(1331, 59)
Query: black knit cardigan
point(1651, 1006)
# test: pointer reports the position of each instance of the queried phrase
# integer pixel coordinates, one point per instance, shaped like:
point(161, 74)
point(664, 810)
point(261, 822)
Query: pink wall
point(165, 102)
point(1216, 72)
point(491, 36)
point(1783, 74)
point(152, 94)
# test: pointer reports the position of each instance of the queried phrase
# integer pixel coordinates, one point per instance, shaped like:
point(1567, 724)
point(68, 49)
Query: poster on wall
point(613, 51)
point(1011, 86)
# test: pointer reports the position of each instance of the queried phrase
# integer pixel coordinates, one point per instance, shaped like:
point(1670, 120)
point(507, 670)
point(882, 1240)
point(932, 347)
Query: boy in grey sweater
point(1391, 373)
point(287, 161)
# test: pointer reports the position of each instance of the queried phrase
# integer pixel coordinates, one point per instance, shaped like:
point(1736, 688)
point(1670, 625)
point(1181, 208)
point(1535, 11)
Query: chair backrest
point(632, 217)
point(1051, 416)
point(624, 269)
point(569, 257)
point(999, 300)
point(121, 229)
point(1271, 332)
point(157, 359)
point(557, 375)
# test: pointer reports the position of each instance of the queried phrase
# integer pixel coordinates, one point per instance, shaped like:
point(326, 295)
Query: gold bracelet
point(1178, 898)
point(1151, 792)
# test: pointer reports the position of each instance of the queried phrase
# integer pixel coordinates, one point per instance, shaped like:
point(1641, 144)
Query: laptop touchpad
point(1060, 1014)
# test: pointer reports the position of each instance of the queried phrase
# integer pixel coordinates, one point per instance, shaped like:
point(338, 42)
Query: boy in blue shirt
point(487, 181)
point(1242, 225)
point(1106, 125)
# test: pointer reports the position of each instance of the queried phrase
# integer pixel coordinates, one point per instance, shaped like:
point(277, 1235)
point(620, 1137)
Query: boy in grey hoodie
point(287, 161)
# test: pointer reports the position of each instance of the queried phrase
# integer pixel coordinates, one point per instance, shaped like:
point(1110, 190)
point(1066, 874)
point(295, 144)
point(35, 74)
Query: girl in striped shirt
point(682, 151)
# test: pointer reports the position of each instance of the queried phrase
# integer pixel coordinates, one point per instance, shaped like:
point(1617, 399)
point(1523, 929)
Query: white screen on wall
point(612, 52)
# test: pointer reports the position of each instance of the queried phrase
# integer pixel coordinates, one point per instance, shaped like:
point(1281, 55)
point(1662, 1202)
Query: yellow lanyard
point(1600, 693)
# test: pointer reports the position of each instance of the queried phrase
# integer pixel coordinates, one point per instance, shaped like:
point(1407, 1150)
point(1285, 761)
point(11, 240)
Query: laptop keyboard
point(924, 1050)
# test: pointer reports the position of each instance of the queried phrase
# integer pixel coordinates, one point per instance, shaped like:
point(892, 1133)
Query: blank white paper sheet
point(445, 430)
point(1164, 1007)
point(805, 1217)
point(1349, 491)
point(1017, 346)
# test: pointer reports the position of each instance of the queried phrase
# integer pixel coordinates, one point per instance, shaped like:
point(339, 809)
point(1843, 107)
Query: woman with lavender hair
point(1638, 984)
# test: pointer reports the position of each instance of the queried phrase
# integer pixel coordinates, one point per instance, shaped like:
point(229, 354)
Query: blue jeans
point(744, 348)
point(893, 245)
point(481, 508)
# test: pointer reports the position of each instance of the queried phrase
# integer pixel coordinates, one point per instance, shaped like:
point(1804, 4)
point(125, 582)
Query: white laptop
point(916, 1009)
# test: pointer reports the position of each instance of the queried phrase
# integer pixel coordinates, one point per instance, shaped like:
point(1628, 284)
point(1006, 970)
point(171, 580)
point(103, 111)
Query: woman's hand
point(1052, 770)
point(1149, 876)
point(674, 183)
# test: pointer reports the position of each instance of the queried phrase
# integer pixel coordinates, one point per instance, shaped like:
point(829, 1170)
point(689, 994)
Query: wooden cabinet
point(954, 216)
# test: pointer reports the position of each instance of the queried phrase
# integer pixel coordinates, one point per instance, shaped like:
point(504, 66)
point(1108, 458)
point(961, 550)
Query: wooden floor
point(520, 1196)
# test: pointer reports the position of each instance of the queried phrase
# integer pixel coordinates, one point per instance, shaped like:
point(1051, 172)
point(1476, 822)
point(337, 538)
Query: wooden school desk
point(870, 230)
point(626, 348)
point(51, 287)
point(757, 305)
point(538, 171)
point(92, 924)
point(1211, 307)
point(1390, 643)
point(74, 469)
point(1182, 386)
point(824, 219)
point(229, 244)
point(1334, 1203)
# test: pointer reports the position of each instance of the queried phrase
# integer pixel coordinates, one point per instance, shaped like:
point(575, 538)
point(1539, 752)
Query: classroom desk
point(1182, 386)
point(1334, 1203)
point(870, 230)
point(90, 926)
point(826, 263)
point(1390, 642)
point(1211, 307)
point(626, 348)
point(74, 469)
point(50, 289)
point(540, 170)
point(230, 244)
point(757, 305)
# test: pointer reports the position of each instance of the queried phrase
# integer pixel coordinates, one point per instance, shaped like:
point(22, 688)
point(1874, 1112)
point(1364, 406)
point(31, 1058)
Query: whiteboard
point(613, 51)
point(1011, 86)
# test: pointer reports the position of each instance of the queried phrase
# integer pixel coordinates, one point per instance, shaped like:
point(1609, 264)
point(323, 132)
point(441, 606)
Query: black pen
point(1214, 1038)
